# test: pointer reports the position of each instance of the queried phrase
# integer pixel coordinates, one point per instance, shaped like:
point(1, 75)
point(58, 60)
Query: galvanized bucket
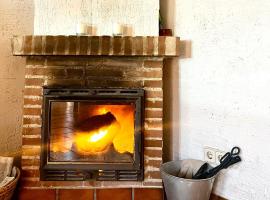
point(182, 188)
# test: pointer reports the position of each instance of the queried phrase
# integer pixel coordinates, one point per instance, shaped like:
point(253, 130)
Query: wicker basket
point(7, 191)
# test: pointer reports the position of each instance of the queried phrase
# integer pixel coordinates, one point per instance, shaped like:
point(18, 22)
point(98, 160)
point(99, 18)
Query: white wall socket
point(209, 155)
point(219, 155)
point(213, 155)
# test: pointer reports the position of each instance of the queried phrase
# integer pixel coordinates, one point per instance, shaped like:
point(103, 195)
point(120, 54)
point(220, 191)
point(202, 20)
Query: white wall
point(59, 17)
point(224, 89)
point(16, 18)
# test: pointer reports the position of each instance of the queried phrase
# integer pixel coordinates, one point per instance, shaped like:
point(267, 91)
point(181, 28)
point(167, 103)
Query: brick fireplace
point(94, 62)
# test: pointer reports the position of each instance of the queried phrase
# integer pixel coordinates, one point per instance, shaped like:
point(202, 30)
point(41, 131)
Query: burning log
point(96, 134)
point(96, 122)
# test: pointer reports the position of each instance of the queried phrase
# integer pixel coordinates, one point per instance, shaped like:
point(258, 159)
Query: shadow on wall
point(171, 136)
point(185, 49)
point(171, 73)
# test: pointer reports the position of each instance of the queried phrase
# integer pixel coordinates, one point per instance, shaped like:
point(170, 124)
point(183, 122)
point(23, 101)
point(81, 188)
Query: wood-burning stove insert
point(91, 133)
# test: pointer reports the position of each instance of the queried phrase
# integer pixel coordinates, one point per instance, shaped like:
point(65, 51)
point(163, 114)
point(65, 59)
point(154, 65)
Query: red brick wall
point(143, 72)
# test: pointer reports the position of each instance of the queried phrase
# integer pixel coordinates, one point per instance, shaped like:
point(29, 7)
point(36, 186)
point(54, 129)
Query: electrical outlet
point(209, 155)
point(219, 154)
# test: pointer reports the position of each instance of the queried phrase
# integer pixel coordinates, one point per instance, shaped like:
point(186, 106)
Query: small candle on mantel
point(81, 29)
point(92, 30)
point(86, 29)
point(117, 29)
point(127, 29)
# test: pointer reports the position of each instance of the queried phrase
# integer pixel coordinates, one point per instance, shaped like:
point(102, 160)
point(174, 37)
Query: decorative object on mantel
point(117, 29)
point(127, 30)
point(122, 29)
point(163, 31)
point(96, 45)
point(86, 29)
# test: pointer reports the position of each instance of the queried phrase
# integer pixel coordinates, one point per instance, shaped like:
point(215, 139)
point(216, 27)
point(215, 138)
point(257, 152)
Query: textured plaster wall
point(59, 17)
point(16, 17)
point(224, 89)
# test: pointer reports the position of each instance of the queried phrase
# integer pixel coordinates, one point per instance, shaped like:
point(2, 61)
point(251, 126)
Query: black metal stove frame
point(87, 170)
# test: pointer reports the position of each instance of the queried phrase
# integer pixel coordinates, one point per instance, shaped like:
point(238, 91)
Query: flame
point(95, 141)
point(124, 139)
point(102, 110)
point(98, 136)
point(119, 135)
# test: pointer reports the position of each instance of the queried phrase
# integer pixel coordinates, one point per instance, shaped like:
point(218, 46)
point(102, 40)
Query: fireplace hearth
point(73, 74)
point(92, 133)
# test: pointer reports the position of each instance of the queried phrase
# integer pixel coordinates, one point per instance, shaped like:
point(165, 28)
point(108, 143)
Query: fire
point(95, 141)
point(98, 128)
point(98, 136)
point(102, 110)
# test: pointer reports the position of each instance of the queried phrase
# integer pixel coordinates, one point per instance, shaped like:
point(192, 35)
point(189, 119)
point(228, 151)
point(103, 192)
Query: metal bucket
point(182, 188)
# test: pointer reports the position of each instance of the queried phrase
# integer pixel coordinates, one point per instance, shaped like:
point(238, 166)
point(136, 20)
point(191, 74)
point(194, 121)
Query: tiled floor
point(91, 194)
point(98, 194)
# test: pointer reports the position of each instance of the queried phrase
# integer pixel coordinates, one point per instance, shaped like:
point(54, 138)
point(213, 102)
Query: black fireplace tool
point(227, 160)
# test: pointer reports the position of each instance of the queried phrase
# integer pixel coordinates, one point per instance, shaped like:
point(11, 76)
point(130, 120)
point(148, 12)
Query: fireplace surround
point(66, 62)
point(92, 133)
